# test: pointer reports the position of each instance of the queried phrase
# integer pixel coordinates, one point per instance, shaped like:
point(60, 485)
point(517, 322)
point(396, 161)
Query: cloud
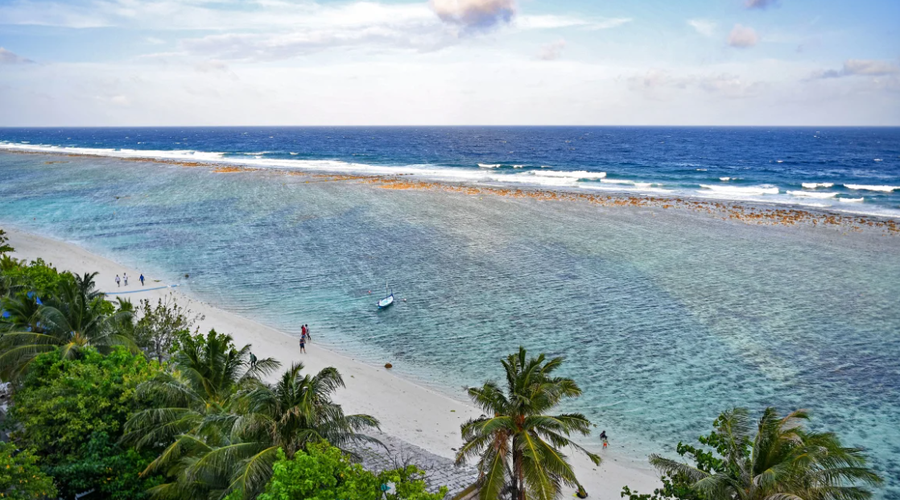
point(860, 67)
point(279, 46)
point(475, 14)
point(552, 51)
point(550, 21)
point(760, 4)
point(7, 57)
point(654, 83)
point(704, 27)
point(742, 37)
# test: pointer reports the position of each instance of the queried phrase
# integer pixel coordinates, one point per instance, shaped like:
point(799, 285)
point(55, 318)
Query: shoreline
point(408, 411)
point(756, 212)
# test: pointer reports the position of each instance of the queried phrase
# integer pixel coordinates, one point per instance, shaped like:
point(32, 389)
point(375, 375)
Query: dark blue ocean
point(845, 169)
point(666, 317)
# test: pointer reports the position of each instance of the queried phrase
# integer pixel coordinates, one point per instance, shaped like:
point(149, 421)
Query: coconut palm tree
point(70, 321)
point(517, 442)
point(225, 425)
point(21, 313)
point(781, 461)
point(294, 412)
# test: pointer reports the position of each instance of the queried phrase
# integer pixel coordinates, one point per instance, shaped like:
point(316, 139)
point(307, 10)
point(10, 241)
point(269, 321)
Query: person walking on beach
point(118, 281)
point(303, 343)
point(308, 335)
point(125, 278)
point(603, 438)
point(142, 279)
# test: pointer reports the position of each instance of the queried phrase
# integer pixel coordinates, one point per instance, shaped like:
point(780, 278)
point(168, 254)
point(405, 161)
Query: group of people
point(124, 278)
point(304, 338)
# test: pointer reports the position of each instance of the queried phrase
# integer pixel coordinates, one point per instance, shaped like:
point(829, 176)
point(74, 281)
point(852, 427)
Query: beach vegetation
point(517, 442)
point(776, 457)
point(71, 412)
point(4, 243)
point(159, 326)
point(21, 478)
point(220, 426)
point(37, 276)
point(323, 472)
point(75, 318)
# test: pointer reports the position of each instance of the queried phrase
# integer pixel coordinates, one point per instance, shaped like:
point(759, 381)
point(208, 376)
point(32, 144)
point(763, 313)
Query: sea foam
point(866, 187)
point(817, 185)
point(744, 191)
point(813, 194)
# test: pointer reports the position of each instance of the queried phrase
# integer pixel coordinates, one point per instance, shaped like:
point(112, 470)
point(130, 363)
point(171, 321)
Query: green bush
point(36, 276)
point(322, 472)
point(71, 413)
point(102, 465)
point(20, 477)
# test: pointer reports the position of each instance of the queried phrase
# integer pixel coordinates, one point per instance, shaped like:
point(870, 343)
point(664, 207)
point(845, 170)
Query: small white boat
point(387, 301)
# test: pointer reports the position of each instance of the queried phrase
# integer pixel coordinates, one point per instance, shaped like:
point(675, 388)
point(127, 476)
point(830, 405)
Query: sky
point(449, 62)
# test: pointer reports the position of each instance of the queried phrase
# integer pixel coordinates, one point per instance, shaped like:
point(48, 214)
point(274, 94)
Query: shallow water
point(665, 317)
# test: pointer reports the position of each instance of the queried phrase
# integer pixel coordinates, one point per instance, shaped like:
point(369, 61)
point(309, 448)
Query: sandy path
point(406, 410)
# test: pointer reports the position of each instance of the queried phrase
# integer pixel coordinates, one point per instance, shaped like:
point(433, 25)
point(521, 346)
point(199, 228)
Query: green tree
point(4, 243)
point(22, 312)
point(71, 413)
point(775, 459)
point(288, 415)
point(111, 471)
point(36, 276)
point(20, 476)
point(195, 407)
point(517, 443)
point(160, 326)
point(323, 472)
point(76, 318)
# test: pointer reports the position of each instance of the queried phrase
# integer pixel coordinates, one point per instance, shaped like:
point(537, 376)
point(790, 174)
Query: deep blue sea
point(666, 317)
point(846, 169)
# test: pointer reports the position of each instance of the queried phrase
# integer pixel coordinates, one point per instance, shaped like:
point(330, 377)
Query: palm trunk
point(520, 475)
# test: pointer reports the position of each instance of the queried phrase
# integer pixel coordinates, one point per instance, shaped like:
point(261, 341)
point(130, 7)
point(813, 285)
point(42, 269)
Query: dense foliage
point(160, 326)
point(323, 472)
point(36, 276)
point(517, 444)
point(224, 425)
point(71, 413)
point(776, 458)
point(20, 476)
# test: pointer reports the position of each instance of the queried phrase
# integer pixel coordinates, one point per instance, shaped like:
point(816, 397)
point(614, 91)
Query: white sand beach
point(407, 411)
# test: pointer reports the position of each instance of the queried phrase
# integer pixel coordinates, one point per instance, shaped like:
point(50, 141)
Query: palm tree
point(21, 312)
point(294, 412)
point(517, 443)
point(74, 319)
point(225, 425)
point(196, 409)
point(781, 461)
point(208, 371)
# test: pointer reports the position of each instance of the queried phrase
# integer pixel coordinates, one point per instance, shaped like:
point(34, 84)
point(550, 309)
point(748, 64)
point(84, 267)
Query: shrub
point(323, 472)
point(20, 477)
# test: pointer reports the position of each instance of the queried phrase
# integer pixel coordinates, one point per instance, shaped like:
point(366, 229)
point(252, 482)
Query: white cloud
point(861, 67)
point(550, 21)
point(703, 26)
point(742, 37)
point(8, 57)
point(552, 51)
point(475, 14)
